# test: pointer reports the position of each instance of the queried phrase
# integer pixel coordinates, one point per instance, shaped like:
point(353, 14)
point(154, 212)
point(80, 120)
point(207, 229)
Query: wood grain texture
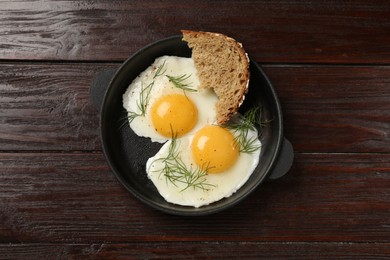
point(335, 108)
point(277, 31)
point(48, 107)
point(202, 250)
point(74, 198)
point(329, 62)
point(326, 108)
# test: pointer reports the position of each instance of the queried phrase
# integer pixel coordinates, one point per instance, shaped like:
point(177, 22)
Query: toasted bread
point(223, 66)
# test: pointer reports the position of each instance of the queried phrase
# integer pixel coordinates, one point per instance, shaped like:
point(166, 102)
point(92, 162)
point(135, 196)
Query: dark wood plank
point(205, 250)
point(48, 107)
point(74, 198)
point(277, 31)
point(335, 108)
point(326, 109)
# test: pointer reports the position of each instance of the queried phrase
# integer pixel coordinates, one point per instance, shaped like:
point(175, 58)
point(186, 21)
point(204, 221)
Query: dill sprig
point(247, 121)
point(160, 70)
point(179, 82)
point(144, 95)
point(246, 144)
point(241, 128)
point(176, 171)
point(142, 104)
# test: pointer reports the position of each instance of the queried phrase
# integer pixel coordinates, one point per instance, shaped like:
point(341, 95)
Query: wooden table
point(329, 62)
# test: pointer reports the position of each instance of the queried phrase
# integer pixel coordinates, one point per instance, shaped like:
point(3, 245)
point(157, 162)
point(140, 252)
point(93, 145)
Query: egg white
point(204, 99)
point(222, 184)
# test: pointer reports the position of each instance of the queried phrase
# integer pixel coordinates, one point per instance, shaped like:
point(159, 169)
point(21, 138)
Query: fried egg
point(157, 108)
point(202, 168)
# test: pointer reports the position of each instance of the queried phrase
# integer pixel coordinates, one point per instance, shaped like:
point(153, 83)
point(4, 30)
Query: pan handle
point(100, 83)
point(284, 161)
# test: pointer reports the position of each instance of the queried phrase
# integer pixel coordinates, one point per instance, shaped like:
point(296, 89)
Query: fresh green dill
point(247, 121)
point(144, 95)
point(246, 144)
point(142, 104)
point(179, 82)
point(160, 70)
point(241, 128)
point(176, 171)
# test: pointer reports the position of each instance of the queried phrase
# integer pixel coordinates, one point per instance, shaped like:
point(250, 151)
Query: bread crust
point(222, 65)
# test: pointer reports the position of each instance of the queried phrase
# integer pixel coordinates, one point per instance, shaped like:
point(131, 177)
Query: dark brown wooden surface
point(330, 64)
point(272, 31)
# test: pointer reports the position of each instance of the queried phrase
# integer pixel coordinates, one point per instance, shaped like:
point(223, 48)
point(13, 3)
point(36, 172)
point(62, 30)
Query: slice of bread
point(223, 66)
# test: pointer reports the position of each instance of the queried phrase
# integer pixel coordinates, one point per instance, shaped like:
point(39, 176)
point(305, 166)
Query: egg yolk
point(214, 148)
point(175, 113)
